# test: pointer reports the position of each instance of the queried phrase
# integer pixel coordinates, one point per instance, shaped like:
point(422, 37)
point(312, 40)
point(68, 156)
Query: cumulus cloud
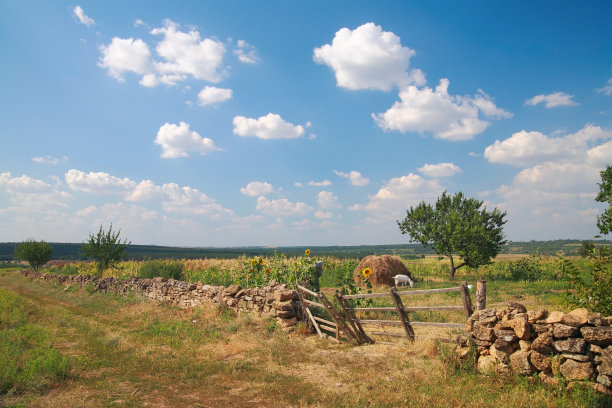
point(178, 140)
point(271, 126)
point(29, 194)
point(281, 207)
point(552, 100)
point(398, 194)
point(368, 58)
point(246, 53)
point(323, 183)
point(528, 148)
point(138, 22)
point(435, 111)
point(439, 170)
point(98, 182)
point(607, 89)
point(323, 215)
point(327, 200)
point(257, 188)
point(182, 55)
point(48, 159)
point(188, 200)
point(210, 94)
point(355, 177)
point(83, 18)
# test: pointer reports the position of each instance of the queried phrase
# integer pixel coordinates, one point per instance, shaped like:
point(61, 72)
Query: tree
point(586, 249)
point(35, 253)
point(604, 221)
point(105, 248)
point(457, 225)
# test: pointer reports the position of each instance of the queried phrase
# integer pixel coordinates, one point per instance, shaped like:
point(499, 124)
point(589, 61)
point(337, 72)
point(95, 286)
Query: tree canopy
point(604, 221)
point(34, 252)
point(105, 248)
point(457, 225)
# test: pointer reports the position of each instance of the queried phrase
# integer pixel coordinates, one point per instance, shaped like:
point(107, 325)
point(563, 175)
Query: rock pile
point(273, 300)
point(575, 345)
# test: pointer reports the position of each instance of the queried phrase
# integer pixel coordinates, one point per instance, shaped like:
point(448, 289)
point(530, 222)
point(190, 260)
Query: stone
point(540, 328)
point(285, 323)
point(488, 321)
point(577, 357)
point(563, 331)
point(601, 336)
point(605, 364)
point(515, 307)
point(503, 368)
point(486, 364)
point(285, 314)
point(501, 354)
point(571, 345)
point(594, 319)
point(482, 332)
point(524, 345)
point(482, 343)
point(282, 295)
point(594, 348)
point(555, 317)
point(577, 317)
point(605, 380)
point(232, 290)
point(519, 361)
point(575, 370)
point(286, 305)
point(543, 343)
point(535, 315)
point(506, 335)
point(462, 351)
point(548, 379)
point(540, 361)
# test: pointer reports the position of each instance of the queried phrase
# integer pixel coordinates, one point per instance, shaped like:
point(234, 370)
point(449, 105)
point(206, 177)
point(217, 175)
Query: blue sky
point(299, 123)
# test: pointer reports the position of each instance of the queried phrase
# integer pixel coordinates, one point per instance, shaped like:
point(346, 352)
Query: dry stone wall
point(274, 300)
point(575, 346)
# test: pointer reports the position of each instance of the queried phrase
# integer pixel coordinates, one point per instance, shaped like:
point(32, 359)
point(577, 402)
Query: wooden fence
point(345, 315)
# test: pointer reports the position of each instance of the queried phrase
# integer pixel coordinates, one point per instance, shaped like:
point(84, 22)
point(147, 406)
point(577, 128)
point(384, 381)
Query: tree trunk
point(452, 266)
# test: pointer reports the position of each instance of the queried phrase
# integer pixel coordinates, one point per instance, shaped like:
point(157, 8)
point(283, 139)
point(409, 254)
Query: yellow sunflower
point(253, 262)
point(367, 272)
point(307, 252)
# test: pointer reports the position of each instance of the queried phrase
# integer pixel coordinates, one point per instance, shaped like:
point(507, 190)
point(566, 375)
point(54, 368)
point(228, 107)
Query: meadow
point(73, 347)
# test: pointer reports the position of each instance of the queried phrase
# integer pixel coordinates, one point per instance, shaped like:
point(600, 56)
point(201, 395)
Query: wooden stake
point(402, 314)
point(481, 294)
point(467, 301)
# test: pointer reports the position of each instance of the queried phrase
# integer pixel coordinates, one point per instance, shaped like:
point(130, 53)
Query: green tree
point(105, 248)
point(604, 221)
point(34, 252)
point(586, 249)
point(457, 225)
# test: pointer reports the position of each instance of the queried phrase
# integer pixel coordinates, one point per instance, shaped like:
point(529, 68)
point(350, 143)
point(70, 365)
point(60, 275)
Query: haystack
point(383, 267)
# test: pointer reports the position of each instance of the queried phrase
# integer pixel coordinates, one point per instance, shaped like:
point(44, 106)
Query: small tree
point(35, 253)
point(457, 225)
point(105, 248)
point(586, 249)
point(604, 221)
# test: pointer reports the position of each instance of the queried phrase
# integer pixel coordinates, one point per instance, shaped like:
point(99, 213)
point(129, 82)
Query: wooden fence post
point(467, 301)
point(481, 294)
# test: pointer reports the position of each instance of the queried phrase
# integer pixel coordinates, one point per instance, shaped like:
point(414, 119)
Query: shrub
point(526, 269)
point(163, 269)
point(105, 248)
point(35, 253)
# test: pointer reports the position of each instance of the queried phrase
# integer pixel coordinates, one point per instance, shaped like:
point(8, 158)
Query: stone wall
point(273, 300)
point(575, 346)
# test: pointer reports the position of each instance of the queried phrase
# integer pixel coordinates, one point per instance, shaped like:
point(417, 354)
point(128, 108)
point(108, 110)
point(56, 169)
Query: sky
point(282, 123)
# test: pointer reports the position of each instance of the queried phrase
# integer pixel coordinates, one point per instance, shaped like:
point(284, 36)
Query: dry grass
point(129, 352)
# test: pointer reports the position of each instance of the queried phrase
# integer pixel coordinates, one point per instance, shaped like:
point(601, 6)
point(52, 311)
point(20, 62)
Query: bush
point(162, 269)
point(105, 248)
point(35, 253)
point(526, 269)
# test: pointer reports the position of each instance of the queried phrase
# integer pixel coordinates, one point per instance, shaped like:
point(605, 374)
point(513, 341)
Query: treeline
point(71, 251)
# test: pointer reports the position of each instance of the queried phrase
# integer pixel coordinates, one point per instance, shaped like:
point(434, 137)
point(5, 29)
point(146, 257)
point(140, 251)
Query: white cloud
point(138, 22)
point(271, 126)
point(29, 194)
point(368, 58)
point(446, 116)
point(298, 184)
point(281, 207)
point(178, 140)
point(323, 183)
point(400, 193)
point(323, 215)
point(257, 188)
point(606, 90)
point(48, 159)
point(473, 154)
point(98, 182)
point(327, 200)
point(246, 53)
point(552, 100)
point(126, 55)
point(83, 18)
point(183, 55)
point(188, 200)
point(355, 177)
point(187, 54)
point(210, 94)
point(528, 148)
point(440, 170)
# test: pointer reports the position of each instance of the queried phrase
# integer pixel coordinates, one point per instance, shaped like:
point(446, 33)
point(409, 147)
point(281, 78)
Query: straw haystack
point(383, 267)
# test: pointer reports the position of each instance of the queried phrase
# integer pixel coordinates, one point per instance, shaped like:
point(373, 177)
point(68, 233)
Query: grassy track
point(129, 352)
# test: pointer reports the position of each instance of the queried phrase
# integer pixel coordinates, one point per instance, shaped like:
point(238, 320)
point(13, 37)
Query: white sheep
point(403, 279)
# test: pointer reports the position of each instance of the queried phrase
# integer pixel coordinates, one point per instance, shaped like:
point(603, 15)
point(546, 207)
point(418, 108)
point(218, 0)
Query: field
point(82, 348)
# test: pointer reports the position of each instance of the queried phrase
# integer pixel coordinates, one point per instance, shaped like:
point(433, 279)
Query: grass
point(128, 352)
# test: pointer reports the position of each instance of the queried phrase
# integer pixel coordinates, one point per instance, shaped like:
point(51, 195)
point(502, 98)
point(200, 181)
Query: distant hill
point(70, 251)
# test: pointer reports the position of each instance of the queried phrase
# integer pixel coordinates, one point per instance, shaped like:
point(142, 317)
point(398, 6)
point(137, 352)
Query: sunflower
point(253, 262)
point(307, 252)
point(261, 261)
point(367, 272)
